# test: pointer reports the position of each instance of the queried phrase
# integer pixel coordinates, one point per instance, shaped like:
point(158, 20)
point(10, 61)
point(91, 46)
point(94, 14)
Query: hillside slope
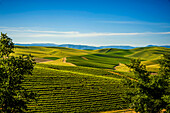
point(51, 53)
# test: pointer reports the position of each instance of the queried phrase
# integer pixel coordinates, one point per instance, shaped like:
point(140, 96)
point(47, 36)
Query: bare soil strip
point(65, 61)
point(84, 58)
point(118, 111)
point(124, 111)
point(121, 75)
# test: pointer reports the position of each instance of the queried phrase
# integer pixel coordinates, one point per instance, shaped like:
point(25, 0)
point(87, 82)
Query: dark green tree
point(13, 97)
point(149, 93)
point(6, 45)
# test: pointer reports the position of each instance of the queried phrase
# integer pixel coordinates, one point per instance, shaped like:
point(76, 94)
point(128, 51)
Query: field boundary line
point(85, 74)
point(122, 75)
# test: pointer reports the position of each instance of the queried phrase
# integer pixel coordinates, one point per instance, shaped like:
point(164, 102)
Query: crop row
point(68, 92)
point(80, 69)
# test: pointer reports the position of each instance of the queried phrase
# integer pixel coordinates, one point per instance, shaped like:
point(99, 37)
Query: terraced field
point(70, 80)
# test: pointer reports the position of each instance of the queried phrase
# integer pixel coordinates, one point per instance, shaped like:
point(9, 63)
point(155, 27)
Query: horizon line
point(91, 45)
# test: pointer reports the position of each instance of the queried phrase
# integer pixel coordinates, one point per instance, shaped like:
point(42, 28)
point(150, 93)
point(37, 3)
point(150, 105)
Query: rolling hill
point(72, 80)
point(107, 58)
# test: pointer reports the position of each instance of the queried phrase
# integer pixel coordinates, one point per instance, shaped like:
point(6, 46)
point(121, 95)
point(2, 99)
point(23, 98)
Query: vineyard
point(82, 90)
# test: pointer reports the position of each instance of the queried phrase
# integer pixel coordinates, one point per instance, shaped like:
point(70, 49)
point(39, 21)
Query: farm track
point(41, 60)
point(124, 111)
point(119, 111)
point(84, 58)
point(65, 61)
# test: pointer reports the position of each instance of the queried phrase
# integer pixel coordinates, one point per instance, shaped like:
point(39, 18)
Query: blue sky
point(87, 22)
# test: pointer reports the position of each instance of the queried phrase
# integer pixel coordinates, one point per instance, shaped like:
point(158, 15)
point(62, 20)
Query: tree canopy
point(149, 93)
point(13, 97)
point(6, 45)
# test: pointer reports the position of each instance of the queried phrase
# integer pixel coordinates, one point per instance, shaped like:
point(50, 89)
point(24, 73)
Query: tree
point(149, 93)
point(13, 97)
point(6, 45)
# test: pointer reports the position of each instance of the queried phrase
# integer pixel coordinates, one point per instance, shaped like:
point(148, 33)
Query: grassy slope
point(105, 58)
point(150, 55)
point(52, 53)
point(108, 58)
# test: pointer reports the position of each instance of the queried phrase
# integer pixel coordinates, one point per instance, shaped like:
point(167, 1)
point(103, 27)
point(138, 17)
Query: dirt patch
point(84, 58)
point(64, 60)
point(40, 60)
point(154, 73)
point(119, 111)
point(124, 111)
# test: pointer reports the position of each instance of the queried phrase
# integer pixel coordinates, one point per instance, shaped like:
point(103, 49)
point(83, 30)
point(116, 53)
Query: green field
point(71, 80)
point(50, 52)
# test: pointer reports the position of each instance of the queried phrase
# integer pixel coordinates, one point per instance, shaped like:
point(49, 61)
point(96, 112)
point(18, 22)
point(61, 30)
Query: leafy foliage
point(150, 91)
point(165, 74)
point(13, 97)
point(6, 45)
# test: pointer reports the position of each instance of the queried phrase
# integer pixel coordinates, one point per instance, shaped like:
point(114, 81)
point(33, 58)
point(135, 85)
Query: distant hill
point(84, 47)
point(167, 46)
point(78, 46)
point(38, 44)
point(117, 47)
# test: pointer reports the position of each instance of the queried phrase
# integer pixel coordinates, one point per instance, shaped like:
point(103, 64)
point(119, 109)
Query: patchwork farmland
point(92, 84)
